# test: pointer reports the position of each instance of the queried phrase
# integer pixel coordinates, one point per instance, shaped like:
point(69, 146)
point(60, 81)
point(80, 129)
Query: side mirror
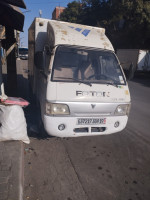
point(39, 59)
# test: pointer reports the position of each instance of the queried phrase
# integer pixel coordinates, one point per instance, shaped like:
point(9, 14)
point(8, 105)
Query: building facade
point(56, 13)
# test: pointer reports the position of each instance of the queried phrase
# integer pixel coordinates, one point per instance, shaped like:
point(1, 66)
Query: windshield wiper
point(112, 83)
point(79, 81)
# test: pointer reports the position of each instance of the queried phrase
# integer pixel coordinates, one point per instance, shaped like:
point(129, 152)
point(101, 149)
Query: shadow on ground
point(34, 124)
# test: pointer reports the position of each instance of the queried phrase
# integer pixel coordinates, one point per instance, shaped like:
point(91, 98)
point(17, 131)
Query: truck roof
point(60, 33)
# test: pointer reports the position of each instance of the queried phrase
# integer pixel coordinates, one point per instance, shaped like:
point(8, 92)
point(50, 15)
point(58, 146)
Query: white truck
point(134, 60)
point(77, 80)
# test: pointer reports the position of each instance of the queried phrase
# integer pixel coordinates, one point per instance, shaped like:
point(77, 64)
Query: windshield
point(74, 64)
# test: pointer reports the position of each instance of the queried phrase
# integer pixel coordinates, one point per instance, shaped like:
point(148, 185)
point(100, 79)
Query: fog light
point(116, 124)
point(61, 127)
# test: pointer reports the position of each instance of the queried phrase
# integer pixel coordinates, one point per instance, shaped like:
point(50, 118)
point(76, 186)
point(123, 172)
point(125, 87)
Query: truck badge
point(93, 106)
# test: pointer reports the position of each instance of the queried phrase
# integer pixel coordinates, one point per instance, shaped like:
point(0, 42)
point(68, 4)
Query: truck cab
point(77, 79)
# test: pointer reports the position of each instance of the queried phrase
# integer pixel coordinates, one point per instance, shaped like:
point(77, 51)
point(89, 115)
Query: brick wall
point(56, 13)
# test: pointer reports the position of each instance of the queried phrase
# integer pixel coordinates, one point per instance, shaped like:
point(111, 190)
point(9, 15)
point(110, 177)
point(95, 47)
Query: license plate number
point(91, 121)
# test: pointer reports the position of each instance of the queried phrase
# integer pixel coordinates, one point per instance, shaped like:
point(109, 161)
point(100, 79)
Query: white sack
point(13, 124)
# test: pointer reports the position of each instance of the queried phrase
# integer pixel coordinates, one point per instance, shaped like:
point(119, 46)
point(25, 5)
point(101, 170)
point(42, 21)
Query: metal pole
point(1, 79)
point(11, 64)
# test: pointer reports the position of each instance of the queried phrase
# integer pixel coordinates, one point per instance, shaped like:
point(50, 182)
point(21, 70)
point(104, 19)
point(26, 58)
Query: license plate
point(91, 121)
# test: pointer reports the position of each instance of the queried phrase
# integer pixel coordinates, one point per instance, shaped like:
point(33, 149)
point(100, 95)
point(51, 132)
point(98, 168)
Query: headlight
point(123, 109)
point(57, 109)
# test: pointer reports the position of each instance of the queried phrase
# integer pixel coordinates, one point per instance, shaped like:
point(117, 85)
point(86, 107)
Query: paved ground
point(113, 167)
point(11, 170)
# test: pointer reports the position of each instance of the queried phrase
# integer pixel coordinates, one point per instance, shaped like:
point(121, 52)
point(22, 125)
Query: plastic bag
point(13, 124)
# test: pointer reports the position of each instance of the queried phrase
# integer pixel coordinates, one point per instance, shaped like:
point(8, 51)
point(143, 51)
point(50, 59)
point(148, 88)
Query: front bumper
point(72, 129)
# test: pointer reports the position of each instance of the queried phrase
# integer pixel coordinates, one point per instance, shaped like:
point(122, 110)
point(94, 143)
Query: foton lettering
point(93, 93)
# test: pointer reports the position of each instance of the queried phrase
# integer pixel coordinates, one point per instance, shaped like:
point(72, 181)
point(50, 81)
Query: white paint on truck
point(76, 77)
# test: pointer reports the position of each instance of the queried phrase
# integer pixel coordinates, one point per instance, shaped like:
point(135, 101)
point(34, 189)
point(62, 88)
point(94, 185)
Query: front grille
point(86, 129)
point(98, 129)
point(81, 130)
